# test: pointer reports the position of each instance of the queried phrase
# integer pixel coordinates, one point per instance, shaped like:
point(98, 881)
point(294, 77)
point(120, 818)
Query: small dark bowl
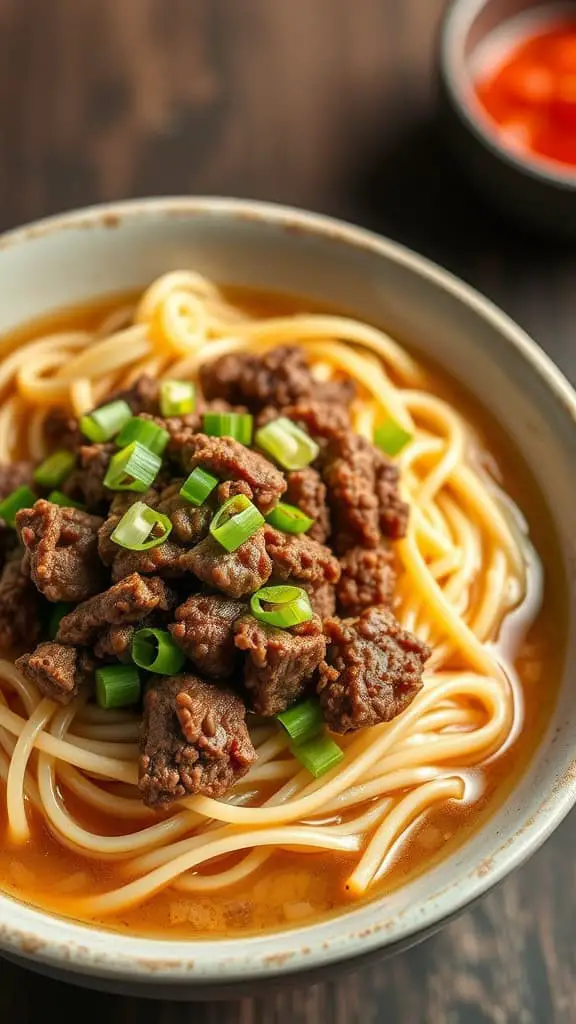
point(524, 187)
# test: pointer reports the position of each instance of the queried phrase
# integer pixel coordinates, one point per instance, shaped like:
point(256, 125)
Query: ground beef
point(115, 643)
point(307, 491)
point(350, 475)
point(322, 420)
point(126, 602)
point(19, 606)
point(299, 558)
point(61, 431)
point(164, 560)
point(189, 523)
point(230, 488)
point(280, 663)
point(230, 460)
point(14, 475)
point(141, 396)
point(57, 670)
point(373, 670)
point(368, 578)
point(393, 511)
point(61, 551)
point(238, 572)
point(322, 598)
point(86, 482)
point(204, 629)
point(194, 740)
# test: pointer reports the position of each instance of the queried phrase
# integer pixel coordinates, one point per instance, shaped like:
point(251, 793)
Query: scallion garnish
point(289, 519)
point(141, 528)
point(155, 650)
point(177, 397)
point(58, 498)
point(104, 423)
point(302, 721)
point(22, 497)
point(57, 613)
point(134, 468)
point(235, 521)
point(319, 754)
point(391, 437)
point(54, 470)
point(117, 686)
point(291, 606)
point(146, 432)
point(292, 447)
point(229, 424)
point(198, 486)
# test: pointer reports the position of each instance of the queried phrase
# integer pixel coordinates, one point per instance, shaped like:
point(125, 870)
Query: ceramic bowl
point(528, 188)
point(71, 258)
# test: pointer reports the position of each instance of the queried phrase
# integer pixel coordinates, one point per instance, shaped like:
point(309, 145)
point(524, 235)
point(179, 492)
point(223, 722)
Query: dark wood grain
point(327, 104)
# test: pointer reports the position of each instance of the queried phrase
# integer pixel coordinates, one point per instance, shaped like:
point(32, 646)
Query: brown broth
point(291, 888)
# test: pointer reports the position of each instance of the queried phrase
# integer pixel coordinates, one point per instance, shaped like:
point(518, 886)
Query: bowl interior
point(68, 260)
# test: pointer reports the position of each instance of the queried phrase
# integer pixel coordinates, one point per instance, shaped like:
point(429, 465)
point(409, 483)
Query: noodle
point(460, 563)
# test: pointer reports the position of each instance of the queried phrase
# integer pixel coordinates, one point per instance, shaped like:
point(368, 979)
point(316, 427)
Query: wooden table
point(328, 104)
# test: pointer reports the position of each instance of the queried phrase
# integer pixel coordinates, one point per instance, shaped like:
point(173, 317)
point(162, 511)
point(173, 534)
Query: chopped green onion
point(229, 424)
point(57, 498)
point(117, 686)
point(146, 432)
point(391, 437)
point(289, 519)
point(54, 470)
point(177, 397)
point(132, 469)
point(22, 497)
point(57, 613)
point(155, 650)
point(105, 422)
point(302, 721)
point(319, 754)
point(141, 528)
point(198, 486)
point(292, 606)
point(235, 521)
point(292, 447)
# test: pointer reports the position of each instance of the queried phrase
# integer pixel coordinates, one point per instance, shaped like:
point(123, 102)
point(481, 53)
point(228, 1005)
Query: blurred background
point(329, 105)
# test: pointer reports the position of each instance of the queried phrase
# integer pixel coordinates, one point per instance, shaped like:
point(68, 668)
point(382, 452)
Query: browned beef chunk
point(57, 670)
point(19, 606)
point(230, 460)
point(280, 663)
point(238, 572)
point(164, 561)
point(14, 475)
point(322, 420)
point(141, 396)
point(86, 482)
point(300, 558)
point(368, 579)
point(126, 602)
point(204, 629)
point(322, 598)
point(61, 431)
point(115, 643)
point(230, 488)
point(278, 377)
point(393, 511)
point(373, 670)
point(307, 491)
point(194, 740)
point(189, 523)
point(61, 551)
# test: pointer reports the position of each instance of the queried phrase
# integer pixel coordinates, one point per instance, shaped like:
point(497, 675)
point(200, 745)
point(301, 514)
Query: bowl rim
point(454, 28)
point(92, 951)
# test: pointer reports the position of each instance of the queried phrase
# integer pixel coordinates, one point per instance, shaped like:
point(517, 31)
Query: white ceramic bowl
point(67, 259)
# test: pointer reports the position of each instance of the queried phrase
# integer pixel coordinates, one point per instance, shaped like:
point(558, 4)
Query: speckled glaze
point(72, 258)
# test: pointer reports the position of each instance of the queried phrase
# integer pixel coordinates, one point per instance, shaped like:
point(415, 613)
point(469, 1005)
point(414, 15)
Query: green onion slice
point(104, 423)
point(132, 469)
point(198, 486)
point(57, 613)
point(235, 521)
point(319, 754)
point(117, 686)
point(302, 721)
point(177, 397)
point(291, 606)
point(391, 437)
point(141, 528)
point(155, 650)
point(229, 424)
point(289, 518)
point(58, 498)
point(146, 432)
point(292, 447)
point(22, 497)
point(54, 470)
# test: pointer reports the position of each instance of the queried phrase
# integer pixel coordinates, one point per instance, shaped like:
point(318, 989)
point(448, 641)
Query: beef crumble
point(368, 578)
point(194, 740)
point(19, 605)
point(61, 551)
point(236, 573)
point(204, 630)
point(307, 491)
point(229, 460)
point(300, 559)
point(280, 662)
point(126, 602)
point(57, 670)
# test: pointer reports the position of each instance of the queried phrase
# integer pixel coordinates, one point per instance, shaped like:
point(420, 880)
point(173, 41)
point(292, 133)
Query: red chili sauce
point(530, 94)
